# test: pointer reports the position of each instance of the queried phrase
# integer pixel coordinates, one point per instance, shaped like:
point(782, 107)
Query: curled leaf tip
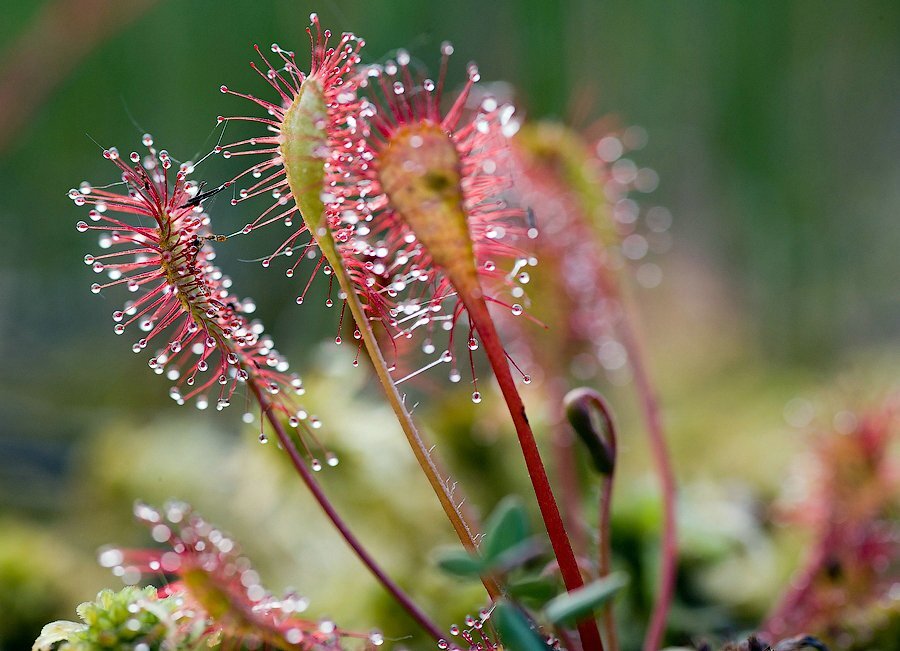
point(591, 418)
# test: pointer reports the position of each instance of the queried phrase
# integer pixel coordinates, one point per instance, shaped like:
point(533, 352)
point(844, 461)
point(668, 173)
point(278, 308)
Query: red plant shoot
point(319, 126)
point(435, 226)
point(184, 300)
point(579, 198)
point(221, 585)
point(433, 198)
point(329, 91)
point(189, 296)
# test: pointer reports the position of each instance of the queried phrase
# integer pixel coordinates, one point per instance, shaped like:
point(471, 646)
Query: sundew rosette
point(156, 239)
point(203, 566)
point(437, 210)
point(845, 493)
point(576, 288)
point(316, 124)
point(589, 229)
point(431, 219)
point(313, 114)
point(340, 156)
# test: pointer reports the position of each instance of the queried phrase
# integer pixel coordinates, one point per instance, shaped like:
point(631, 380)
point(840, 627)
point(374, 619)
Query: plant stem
point(302, 138)
point(566, 467)
point(790, 608)
point(559, 539)
point(651, 412)
point(424, 457)
point(604, 564)
point(306, 475)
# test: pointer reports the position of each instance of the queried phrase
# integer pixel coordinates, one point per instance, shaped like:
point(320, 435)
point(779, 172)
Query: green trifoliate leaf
point(534, 589)
point(507, 527)
point(459, 562)
point(516, 631)
point(572, 606)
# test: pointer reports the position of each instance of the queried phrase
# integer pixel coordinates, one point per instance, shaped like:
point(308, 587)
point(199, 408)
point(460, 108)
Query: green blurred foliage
point(774, 128)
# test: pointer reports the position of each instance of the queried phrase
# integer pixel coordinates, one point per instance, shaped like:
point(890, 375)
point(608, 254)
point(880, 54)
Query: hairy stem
point(306, 475)
point(659, 449)
point(559, 539)
point(452, 509)
point(306, 176)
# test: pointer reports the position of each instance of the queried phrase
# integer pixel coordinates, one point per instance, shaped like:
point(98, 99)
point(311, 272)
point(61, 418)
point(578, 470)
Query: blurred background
point(774, 129)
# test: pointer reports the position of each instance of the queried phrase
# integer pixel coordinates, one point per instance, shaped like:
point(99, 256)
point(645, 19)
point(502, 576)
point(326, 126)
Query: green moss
point(120, 621)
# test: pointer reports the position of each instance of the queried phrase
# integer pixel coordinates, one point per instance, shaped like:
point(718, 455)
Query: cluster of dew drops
point(476, 638)
point(637, 240)
point(176, 514)
point(517, 277)
point(151, 163)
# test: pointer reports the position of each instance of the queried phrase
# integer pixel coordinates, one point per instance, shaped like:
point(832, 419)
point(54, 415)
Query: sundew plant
point(460, 244)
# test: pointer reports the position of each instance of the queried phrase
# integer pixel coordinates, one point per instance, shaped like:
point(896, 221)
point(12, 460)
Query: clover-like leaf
point(459, 562)
point(505, 528)
point(573, 606)
point(533, 589)
point(516, 631)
